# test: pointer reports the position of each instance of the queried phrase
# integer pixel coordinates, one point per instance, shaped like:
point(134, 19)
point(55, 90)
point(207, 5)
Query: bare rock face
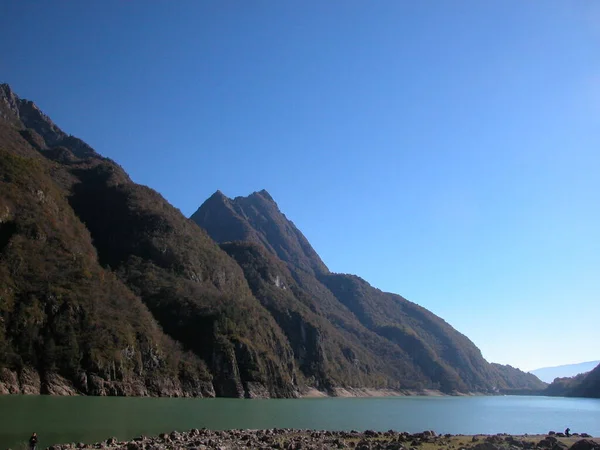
point(257, 219)
point(29, 381)
point(256, 390)
point(9, 104)
point(9, 383)
point(54, 384)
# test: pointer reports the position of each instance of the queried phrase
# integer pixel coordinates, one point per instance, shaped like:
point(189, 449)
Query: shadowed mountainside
point(411, 343)
point(100, 277)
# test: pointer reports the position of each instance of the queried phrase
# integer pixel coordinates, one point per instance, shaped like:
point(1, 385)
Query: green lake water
point(91, 419)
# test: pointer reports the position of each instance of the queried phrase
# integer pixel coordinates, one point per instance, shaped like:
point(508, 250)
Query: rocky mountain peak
point(218, 196)
point(9, 107)
point(264, 194)
point(257, 218)
point(27, 114)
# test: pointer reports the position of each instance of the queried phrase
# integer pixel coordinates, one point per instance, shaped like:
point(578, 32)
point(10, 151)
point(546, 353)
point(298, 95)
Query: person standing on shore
point(33, 441)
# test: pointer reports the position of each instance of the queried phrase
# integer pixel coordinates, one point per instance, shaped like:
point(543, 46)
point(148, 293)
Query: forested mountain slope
point(107, 289)
point(413, 347)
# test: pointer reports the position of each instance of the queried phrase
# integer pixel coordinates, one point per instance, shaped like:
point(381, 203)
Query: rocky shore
point(287, 439)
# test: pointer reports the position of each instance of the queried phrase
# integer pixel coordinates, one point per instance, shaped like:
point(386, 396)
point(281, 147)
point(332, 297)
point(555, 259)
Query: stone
point(585, 444)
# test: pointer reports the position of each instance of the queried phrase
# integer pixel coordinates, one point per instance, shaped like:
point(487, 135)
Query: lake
point(91, 419)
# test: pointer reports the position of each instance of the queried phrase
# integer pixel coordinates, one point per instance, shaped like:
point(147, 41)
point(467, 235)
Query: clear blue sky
point(447, 151)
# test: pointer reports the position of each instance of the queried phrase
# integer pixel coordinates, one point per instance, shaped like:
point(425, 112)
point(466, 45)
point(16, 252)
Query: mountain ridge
point(582, 385)
point(117, 293)
point(548, 374)
point(191, 293)
point(436, 349)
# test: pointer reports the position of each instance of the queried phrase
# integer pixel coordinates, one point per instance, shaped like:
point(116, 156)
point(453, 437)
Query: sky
point(447, 151)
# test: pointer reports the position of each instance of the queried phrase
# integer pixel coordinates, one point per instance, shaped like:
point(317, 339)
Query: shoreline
point(305, 392)
point(291, 439)
point(340, 392)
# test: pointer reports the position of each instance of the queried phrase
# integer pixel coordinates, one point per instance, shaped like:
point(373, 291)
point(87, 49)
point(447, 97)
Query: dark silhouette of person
point(33, 441)
point(568, 432)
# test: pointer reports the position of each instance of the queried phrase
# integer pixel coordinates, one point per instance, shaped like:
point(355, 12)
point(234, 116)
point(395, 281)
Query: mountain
point(548, 374)
point(581, 385)
point(67, 324)
point(107, 289)
point(366, 335)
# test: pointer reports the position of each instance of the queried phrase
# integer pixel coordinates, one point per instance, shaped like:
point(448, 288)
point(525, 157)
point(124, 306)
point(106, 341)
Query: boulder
point(585, 444)
point(9, 383)
point(547, 442)
point(30, 382)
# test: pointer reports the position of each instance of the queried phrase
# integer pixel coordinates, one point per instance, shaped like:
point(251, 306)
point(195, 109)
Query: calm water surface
point(91, 419)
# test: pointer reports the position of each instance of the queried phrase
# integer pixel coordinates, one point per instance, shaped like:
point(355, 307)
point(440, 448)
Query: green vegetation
point(60, 311)
point(582, 385)
point(362, 336)
point(107, 289)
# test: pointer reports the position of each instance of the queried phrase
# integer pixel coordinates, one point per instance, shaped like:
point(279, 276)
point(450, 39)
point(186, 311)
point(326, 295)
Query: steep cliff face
point(98, 313)
point(67, 325)
point(327, 355)
point(400, 343)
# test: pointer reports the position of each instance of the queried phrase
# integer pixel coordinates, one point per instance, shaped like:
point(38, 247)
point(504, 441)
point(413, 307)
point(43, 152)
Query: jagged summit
point(218, 194)
point(401, 335)
point(264, 194)
point(9, 107)
point(26, 114)
point(257, 218)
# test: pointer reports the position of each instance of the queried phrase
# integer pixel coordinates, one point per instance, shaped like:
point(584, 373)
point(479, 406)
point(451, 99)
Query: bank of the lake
point(318, 440)
point(94, 419)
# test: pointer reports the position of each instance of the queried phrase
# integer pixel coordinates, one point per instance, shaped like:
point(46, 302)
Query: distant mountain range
point(548, 374)
point(107, 289)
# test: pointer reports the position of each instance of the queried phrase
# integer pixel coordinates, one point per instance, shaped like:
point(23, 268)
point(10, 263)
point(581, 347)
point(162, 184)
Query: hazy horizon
point(448, 154)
